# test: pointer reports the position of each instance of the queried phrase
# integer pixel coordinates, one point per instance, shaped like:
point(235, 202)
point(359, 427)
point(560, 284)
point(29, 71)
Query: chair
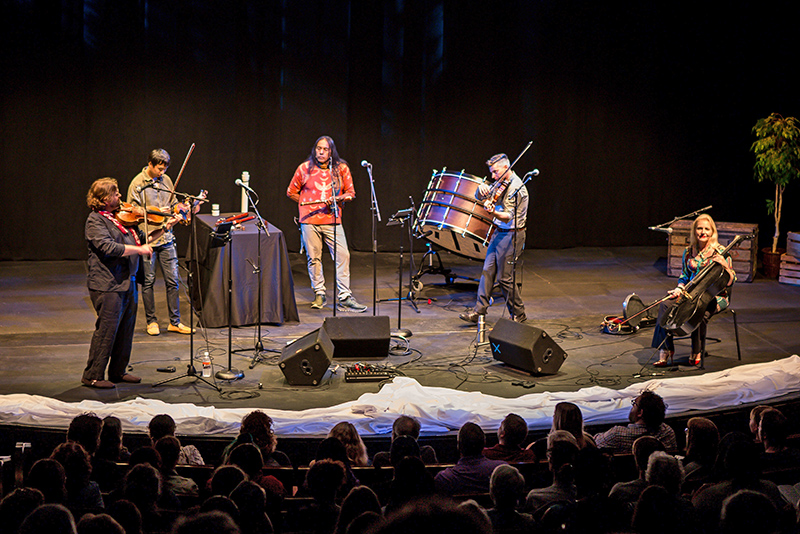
point(730, 310)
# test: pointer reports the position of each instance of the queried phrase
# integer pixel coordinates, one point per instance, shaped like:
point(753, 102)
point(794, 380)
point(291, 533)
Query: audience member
point(85, 429)
point(83, 494)
point(646, 418)
point(49, 519)
point(247, 456)
point(773, 430)
point(472, 471)
point(49, 477)
point(411, 481)
point(627, 493)
point(110, 451)
point(169, 448)
point(506, 488)
point(593, 481)
point(205, 523)
point(142, 486)
point(562, 449)
point(164, 425)
point(567, 416)
point(257, 428)
point(225, 479)
point(16, 506)
point(406, 426)
point(333, 449)
point(748, 512)
point(435, 516)
point(254, 513)
point(324, 479)
point(145, 455)
point(510, 436)
point(471, 507)
point(666, 471)
point(126, 514)
point(99, 524)
point(702, 446)
point(657, 512)
point(360, 499)
point(353, 444)
point(221, 503)
point(366, 522)
point(403, 447)
point(755, 420)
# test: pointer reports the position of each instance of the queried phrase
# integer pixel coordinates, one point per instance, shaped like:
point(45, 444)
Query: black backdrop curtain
point(638, 111)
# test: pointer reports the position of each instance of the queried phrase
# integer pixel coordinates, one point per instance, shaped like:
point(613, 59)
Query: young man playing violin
point(507, 193)
point(152, 189)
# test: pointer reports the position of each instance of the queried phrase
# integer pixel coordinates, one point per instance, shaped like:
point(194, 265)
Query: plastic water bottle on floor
point(206, 365)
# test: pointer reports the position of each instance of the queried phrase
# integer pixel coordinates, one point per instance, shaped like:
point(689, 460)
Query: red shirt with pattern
point(314, 189)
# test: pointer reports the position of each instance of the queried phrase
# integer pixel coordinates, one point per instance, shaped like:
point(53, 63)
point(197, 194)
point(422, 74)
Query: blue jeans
point(167, 257)
point(496, 267)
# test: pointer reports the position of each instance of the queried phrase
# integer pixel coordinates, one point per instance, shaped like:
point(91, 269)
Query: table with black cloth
point(211, 292)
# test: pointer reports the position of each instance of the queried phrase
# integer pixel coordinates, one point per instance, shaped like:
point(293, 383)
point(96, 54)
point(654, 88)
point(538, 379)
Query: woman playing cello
point(703, 249)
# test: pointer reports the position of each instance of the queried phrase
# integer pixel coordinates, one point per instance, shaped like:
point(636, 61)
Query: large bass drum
point(455, 219)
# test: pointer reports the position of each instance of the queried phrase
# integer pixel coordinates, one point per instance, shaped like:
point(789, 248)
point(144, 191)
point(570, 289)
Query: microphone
point(365, 163)
point(534, 172)
point(240, 183)
point(660, 229)
point(147, 184)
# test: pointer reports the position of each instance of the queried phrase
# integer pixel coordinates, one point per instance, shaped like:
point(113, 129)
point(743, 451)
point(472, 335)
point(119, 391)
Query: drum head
point(631, 307)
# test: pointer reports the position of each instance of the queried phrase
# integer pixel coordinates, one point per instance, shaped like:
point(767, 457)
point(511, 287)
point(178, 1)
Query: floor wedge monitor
point(305, 361)
point(526, 347)
point(358, 338)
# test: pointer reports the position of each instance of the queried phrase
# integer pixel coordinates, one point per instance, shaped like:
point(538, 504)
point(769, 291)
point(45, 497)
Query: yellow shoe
point(181, 329)
point(153, 329)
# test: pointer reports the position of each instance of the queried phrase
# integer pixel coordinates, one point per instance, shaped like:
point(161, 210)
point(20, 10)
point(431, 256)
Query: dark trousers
point(496, 267)
point(113, 333)
point(663, 339)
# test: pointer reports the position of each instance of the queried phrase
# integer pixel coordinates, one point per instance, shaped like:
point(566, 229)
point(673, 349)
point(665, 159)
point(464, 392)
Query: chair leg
point(736, 332)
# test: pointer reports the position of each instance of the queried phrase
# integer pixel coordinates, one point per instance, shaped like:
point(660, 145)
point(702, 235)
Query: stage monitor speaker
point(358, 338)
point(305, 361)
point(526, 347)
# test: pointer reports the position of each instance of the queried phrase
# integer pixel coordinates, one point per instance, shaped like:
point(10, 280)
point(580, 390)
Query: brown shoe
point(153, 329)
point(99, 384)
point(180, 328)
point(131, 379)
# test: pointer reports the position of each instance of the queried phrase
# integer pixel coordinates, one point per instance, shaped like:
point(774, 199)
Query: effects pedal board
point(366, 372)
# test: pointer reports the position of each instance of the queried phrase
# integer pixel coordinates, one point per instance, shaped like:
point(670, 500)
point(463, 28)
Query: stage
point(47, 321)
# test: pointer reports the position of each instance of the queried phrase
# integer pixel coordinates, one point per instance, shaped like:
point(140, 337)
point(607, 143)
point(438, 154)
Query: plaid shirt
point(619, 439)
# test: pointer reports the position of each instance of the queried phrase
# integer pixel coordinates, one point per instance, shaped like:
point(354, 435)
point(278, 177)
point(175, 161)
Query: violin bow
point(500, 179)
point(178, 179)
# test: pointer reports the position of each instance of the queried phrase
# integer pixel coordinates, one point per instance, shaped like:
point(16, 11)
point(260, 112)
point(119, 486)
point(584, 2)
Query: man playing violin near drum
point(507, 200)
point(152, 189)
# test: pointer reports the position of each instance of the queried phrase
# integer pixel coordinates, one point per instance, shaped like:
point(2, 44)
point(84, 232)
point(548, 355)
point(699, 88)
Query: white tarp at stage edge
point(438, 409)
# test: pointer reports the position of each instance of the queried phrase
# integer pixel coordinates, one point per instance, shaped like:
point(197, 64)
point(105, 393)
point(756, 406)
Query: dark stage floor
point(47, 321)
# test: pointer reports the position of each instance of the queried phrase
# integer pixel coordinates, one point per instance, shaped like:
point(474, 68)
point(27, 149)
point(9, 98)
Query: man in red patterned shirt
point(320, 179)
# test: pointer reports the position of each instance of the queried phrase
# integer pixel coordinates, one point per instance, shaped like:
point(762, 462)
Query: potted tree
point(777, 151)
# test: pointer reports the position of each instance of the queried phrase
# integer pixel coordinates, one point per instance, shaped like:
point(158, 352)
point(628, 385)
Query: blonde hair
point(567, 416)
point(713, 240)
point(353, 444)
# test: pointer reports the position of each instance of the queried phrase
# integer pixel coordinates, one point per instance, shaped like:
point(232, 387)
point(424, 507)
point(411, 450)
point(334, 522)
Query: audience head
point(648, 409)
point(365, 522)
point(433, 515)
point(471, 507)
point(160, 426)
point(76, 463)
point(471, 440)
point(702, 440)
point(748, 512)
point(258, 426)
point(360, 499)
point(506, 487)
point(719, 471)
point(48, 476)
point(743, 461)
point(655, 512)
point(142, 486)
point(666, 471)
point(353, 444)
point(773, 428)
point(169, 449)
point(205, 522)
point(16, 506)
point(85, 429)
point(405, 425)
point(562, 449)
point(251, 500)
point(513, 431)
point(126, 514)
point(110, 439)
point(567, 416)
point(226, 478)
point(324, 479)
point(99, 524)
point(49, 518)
point(643, 447)
point(402, 447)
point(411, 480)
point(145, 455)
point(248, 457)
point(332, 449)
point(755, 418)
point(222, 503)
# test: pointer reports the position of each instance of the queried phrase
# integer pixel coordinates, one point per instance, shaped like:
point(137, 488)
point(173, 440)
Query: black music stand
point(220, 238)
point(399, 219)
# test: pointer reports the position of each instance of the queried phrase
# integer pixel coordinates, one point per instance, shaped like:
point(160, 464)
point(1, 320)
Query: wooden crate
point(790, 270)
point(743, 255)
point(793, 244)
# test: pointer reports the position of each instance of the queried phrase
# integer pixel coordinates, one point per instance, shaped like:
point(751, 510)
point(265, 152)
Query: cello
point(690, 306)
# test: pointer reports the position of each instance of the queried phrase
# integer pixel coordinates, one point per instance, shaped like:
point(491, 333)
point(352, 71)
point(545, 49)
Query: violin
point(130, 215)
point(184, 211)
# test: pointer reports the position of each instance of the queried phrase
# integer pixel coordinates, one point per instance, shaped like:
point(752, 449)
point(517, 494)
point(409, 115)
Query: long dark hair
point(333, 162)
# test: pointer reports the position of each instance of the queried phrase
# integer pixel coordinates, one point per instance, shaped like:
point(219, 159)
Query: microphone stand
point(376, 218)
point(513, 262)
point(230, 373)
point(665, 227)
point(335, 207)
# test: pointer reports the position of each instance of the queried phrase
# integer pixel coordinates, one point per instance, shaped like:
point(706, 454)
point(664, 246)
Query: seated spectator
point(126, 514)
point(99, 524)
point(755, 420)
point(110, 451)
point(434, 515)
point(646, 418)
point(627, 493)
point(411, 481)
point(507, 487)
point(353, 444)
point(150, 456)
point(773, 430)
point(702, 445)
point(567, 416)
point(254, 515)
point(333, 449)
point(206, 522)
point(49, 519)
point(257, 429)
point(666, 471)
point(366, 522)
point(562, 450)
point(247, 456)
point(324, 480)
point(360, 499)
point(748, 512)
point(406, 426)
point(223, 504)
point(16, 506)
point(472, 471)
point(169, 448)
point(49, 477)
point(142, 487)
point(164, 425)
point(83, 494)
point(510, 436)
point(656, 512)
point(85, 429)
point(225, 479)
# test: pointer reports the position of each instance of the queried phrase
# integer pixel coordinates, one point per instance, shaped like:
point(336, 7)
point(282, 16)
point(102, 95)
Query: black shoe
point(519, 318)
point(470, 316)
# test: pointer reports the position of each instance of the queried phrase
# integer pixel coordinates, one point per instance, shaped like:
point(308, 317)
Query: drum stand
point(430, 268)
